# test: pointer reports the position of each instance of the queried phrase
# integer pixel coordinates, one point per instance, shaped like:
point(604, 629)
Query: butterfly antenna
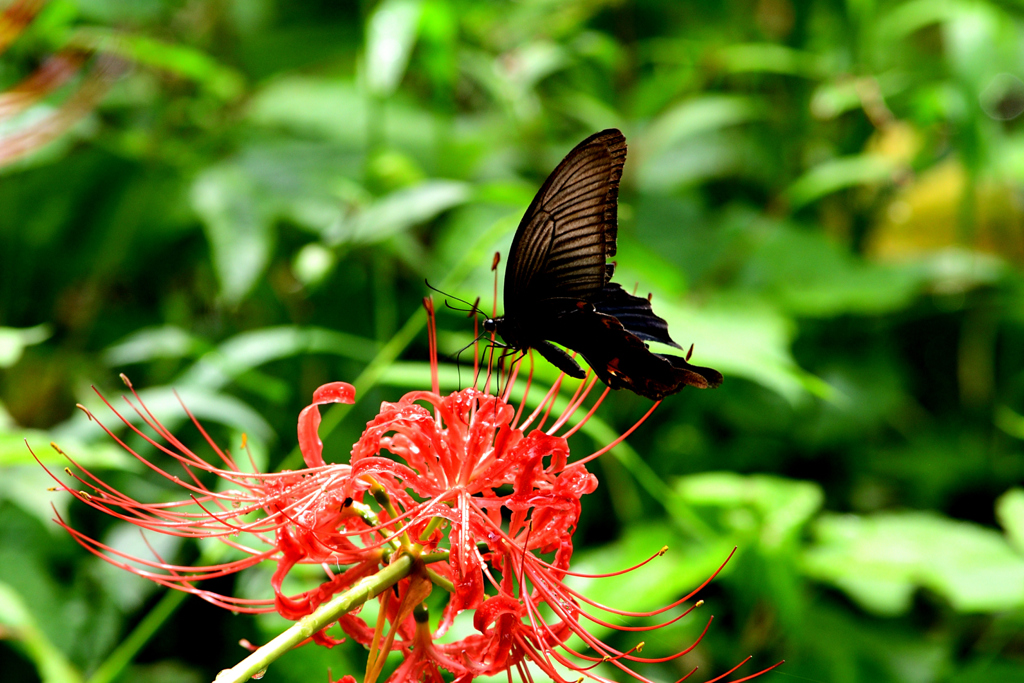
point(473, 309)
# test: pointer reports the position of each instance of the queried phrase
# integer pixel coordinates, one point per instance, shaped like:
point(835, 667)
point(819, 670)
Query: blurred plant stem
point(124, 654)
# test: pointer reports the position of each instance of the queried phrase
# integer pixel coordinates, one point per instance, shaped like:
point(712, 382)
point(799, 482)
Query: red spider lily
point(430, 478)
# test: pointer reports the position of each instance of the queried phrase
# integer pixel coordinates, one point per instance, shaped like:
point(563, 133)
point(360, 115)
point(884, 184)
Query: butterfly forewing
point(558, 282)
point(564, 241)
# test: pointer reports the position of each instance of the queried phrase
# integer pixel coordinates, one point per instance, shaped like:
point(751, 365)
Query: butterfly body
point(558, 282)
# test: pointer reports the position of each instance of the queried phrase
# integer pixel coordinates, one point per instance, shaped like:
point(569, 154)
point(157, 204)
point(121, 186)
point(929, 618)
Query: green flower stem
point(118, 660)
point(370, 518)
point(431, 527)
point(440, 581)
point(380, 495)
point(439, 556)
point(364, 590)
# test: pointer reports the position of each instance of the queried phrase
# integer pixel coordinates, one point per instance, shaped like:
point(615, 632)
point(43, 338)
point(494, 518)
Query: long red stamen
point(621, 438)
point(586, 384)
point(526, 392)
point(428, 303)
point(689, 596)
point(590, 413)
point(751, 676)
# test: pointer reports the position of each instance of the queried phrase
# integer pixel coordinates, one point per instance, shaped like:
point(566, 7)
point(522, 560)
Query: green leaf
point(696, 140)
point(402, 210)
point(23, 632)
point(771, 58)
point(839, 174)
point(908, 17)
point(390, 36)
point(775, 509)
point(14, 451)
point(837, 97)
point(27, 485)
point(979, 42)
point(1010, 421)
point(533, 62)
point(810, 275)
point(312, 106)
point(511, 79)
point(126, 589)
point(240, 199)
point(249, 350)
point(182, 60)
point(339, 111)
point(152, 343)
point(592, 112)
point(13, 341)
point(958, 270)
point(698, 116)
point(237, 220)
point(117, 13)
point(696, 160)
point(880, 561)
point(745, 337)
point(1010, 513)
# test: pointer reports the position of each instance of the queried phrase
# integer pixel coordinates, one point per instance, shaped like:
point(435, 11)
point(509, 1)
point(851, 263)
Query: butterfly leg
point(513, 352)
point(560, 359)
point(458, 366)
point(489, 354)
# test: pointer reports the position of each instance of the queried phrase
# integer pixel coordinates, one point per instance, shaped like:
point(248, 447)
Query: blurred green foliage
point(826, 198)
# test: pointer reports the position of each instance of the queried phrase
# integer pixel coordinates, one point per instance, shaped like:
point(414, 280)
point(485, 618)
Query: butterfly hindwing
point(622, 360)
point(566, 237)
point(635, 314)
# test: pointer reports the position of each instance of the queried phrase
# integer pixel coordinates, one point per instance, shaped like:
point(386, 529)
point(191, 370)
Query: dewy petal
point(309, 420)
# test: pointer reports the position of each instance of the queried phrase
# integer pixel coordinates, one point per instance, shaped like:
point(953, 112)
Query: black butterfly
point(558, 282)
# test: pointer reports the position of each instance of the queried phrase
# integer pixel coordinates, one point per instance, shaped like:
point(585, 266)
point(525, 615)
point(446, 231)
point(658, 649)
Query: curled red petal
point(334, 392)
point(309, 420)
